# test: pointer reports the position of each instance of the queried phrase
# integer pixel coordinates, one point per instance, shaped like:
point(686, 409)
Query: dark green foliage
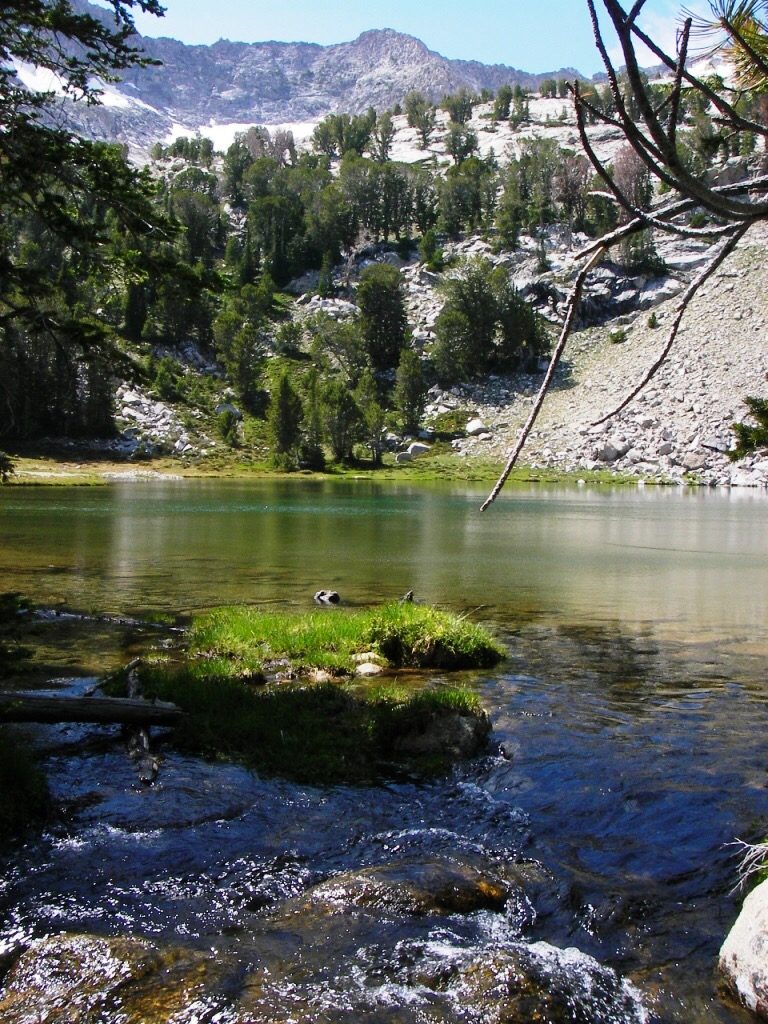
point(24, 798)
point(284, 422)
point(341, 419)
point(325, 281)
point(382, 137)
point(49, 388)
point(520, 113)
point(459, 106)
point(752, 438)
point(228, 423)
point(460, 141)
point(502, 103)
point(421, 115)
point(311, 455)
point(195, 150)
point(55, 186)
point(165, 374)
point(338, 345)
point(548, 88)
point(467, 196)
point(529, 199)
point(410, 392)
point(430, 251)
point(382, 314)
point(240, 344)
point(339, 134)
point(484, 326)
point(372, 416)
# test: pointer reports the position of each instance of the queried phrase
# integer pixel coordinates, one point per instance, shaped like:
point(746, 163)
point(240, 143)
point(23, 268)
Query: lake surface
point(629, 721)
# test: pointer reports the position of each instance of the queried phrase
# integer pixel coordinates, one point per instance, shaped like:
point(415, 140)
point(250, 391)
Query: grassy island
point(248, 682)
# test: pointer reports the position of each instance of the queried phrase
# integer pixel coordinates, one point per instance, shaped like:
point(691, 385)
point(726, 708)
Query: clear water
point(629, 721)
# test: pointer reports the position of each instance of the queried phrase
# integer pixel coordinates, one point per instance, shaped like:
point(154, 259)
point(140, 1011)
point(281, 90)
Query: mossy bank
point(245, 680)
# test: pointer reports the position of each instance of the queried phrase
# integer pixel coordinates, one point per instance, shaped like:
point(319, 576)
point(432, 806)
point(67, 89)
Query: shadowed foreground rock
point(84, 979)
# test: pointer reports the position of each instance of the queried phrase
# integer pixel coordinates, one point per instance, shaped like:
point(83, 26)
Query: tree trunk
point(36, 707)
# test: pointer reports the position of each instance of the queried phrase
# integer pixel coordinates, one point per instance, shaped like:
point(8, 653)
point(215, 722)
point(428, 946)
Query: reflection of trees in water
point(626, 667)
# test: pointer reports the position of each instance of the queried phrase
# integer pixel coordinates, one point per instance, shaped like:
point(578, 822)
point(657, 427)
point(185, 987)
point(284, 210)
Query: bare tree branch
point(737, 205)
point(678, 86)
point(722, 254)
point(572, 306)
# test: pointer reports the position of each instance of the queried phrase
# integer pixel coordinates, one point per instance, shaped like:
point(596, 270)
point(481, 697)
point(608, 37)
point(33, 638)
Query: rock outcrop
point(677, 430)
point(744, 955)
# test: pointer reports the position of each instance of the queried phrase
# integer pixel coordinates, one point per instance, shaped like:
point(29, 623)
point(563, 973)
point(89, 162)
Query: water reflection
point(681, 560)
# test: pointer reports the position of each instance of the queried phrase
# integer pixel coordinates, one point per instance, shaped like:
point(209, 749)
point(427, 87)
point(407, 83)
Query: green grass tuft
point(318, 732)
point(409, 635)
point(422, 637)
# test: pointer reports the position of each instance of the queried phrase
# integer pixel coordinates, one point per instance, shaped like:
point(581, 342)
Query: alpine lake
point(628, 751)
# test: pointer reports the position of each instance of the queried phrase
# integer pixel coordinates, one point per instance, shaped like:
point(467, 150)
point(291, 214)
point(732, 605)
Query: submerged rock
point(744, 954)
point(540, 982)
point(82, 979)
point(415, 887)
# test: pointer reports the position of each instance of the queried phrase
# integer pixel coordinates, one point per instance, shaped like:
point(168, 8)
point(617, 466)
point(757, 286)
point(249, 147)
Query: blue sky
point(526, 35)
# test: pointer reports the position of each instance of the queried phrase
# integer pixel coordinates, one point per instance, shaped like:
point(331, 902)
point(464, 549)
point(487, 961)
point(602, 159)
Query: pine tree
point(284, 421)
point(410, 390)
point(383, 319)
point(373, 420)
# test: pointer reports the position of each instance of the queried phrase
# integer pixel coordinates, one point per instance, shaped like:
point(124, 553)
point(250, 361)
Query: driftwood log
point(37, 707)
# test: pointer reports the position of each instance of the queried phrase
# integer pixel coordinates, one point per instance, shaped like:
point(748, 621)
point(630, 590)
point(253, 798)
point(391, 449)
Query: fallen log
point(37, 707)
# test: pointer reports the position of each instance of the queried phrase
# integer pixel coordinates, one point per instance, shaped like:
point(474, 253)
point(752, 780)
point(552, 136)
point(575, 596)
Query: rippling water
point(629, 726)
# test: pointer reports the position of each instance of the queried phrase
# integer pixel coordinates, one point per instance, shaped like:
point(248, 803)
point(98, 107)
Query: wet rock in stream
point(425, 941)
point(87, 979)
point(415, 887)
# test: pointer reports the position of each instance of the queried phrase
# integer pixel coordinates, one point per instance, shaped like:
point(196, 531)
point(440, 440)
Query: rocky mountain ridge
point(276, 82)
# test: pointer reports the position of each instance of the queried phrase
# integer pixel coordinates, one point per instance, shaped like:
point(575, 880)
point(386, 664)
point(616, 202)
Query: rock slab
point(744, 955)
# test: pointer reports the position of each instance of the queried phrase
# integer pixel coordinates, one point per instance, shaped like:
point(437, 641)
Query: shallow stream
point(628, 749)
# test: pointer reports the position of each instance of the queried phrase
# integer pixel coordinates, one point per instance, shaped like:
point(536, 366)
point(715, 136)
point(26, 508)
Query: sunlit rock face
point(744, 955)
point(272, 83)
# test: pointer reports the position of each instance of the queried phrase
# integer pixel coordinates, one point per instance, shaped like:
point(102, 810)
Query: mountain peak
point(278, 82)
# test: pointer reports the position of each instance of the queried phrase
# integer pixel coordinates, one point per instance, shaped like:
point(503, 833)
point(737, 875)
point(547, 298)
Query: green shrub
point(228, 423)
point(422, 637)
point(749, 438)
point(166, 377)
point(430, 251)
